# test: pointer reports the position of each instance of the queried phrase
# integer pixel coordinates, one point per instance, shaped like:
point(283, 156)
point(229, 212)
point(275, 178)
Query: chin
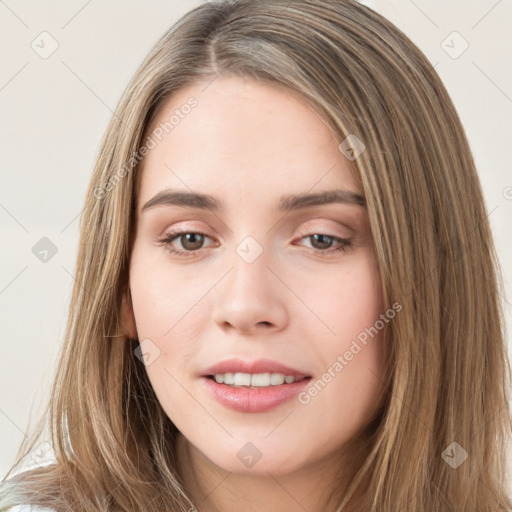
point(249, 462)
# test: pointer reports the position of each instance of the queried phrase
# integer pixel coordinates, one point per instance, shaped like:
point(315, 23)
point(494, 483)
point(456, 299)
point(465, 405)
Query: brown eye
point(190, 241)
point(324, 241)
point(322, 244)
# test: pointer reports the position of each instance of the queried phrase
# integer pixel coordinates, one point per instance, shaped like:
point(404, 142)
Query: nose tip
point(248, 295)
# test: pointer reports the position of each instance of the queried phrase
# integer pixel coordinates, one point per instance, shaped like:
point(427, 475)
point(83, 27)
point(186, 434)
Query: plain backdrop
point(56, 106)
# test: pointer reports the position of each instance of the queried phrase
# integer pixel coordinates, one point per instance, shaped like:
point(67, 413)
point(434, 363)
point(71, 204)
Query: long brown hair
point(440, 442)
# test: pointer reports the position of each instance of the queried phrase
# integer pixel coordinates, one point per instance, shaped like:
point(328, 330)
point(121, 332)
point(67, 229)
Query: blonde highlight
point(447, 365)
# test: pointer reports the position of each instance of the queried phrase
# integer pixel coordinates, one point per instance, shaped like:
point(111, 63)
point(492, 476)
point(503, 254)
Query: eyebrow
point(170, 197)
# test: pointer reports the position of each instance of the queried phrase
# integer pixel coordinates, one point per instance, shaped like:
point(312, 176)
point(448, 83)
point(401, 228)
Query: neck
point(213, 489)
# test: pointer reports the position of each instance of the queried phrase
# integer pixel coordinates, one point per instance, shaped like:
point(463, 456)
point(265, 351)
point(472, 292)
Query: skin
point(248, 143)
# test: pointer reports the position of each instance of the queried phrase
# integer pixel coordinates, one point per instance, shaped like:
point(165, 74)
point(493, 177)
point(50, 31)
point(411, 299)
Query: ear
point(128, 324)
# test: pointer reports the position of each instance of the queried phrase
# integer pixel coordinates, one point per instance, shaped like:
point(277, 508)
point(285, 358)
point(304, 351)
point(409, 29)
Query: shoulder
point(10, 494)
point(29, 508)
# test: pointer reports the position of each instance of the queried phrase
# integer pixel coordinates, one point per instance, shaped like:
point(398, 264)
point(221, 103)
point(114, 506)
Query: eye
point(189, 243)
point(321, 242)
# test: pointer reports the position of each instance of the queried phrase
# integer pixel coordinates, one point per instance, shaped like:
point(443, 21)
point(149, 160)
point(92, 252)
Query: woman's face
point(259, 289)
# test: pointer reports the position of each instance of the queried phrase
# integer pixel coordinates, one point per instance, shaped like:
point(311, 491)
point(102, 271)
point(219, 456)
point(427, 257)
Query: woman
point(287, 290)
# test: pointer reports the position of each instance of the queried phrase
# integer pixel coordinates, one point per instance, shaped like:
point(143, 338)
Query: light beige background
point(54, 111)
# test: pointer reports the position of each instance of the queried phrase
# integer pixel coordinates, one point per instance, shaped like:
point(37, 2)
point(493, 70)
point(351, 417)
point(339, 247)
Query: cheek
point(348, 300)
point(164, 303)
point(170, 314)
point(352, 352)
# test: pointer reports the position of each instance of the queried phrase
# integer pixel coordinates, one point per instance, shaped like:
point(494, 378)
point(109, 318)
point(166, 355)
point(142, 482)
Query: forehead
point(238, 137)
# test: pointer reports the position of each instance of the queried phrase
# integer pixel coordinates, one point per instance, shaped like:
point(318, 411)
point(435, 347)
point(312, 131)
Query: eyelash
point(173, 235)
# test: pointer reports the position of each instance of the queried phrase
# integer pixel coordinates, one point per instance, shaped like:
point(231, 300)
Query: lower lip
point(253, 399)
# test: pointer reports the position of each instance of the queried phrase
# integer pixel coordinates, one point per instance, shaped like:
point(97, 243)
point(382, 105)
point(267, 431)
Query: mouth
point(255, 386)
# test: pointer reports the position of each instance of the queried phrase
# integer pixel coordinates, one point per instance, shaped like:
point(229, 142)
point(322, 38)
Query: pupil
point(192, 235)
point(322, 236)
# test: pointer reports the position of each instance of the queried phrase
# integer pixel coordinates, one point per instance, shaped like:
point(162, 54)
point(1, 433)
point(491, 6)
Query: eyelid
point(339, 230)
point(184, 225)
point(313, 224)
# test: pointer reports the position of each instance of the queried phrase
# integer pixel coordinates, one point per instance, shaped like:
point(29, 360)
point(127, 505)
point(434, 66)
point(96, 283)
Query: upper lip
point(236, 365)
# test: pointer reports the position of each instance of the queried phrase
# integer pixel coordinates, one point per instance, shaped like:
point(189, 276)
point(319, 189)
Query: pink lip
point(245, 399)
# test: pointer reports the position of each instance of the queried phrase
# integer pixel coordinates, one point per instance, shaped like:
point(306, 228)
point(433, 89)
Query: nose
point(251, 298)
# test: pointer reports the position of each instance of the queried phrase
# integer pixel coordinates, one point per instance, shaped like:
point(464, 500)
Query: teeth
point(278, 378)
point(242, 379)
point(256, 379)
point(261, 379)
